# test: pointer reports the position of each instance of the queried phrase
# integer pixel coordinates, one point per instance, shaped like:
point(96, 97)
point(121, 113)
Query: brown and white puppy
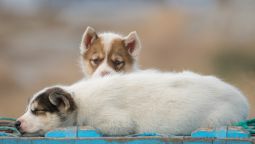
point(49, 108)
point(108, 53)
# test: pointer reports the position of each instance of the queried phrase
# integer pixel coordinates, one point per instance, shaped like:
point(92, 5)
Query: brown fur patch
point(95, 51)
point(119, 53)
point(41, 104)
point(118, 57)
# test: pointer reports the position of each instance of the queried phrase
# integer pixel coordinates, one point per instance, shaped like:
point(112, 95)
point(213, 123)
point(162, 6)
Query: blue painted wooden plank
point(10, 141)
point(197, 142)
point(60, 141)
point(232, 141)
point(69, 132)
point(219, 141)
point(210, 133)
point(94, 141)
point(39, 141)
point(87, 132)
point(150, 141)
point(189, 140)
point(203, 132)
point(24, 140)
point(3, 134)
point(221, 132)
point(108, 140)
point(128, 141)
point(237, 132)
point(238, 142)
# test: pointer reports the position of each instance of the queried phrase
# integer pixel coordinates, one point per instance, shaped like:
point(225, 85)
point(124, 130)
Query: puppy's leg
point(115, 123)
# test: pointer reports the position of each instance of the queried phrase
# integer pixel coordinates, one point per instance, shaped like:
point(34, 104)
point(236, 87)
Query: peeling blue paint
point(81, 135)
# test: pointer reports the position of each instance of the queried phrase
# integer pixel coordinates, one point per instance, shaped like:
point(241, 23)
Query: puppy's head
point(48, 109)
point(108, 53)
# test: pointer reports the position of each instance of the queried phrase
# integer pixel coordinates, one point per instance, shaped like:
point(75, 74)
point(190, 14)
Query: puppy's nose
point(104, 73)
point(17, 124)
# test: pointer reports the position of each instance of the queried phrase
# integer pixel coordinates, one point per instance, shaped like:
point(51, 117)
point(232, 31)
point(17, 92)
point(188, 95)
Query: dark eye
point(95, 61)
point(118, 63)
point(34, 111)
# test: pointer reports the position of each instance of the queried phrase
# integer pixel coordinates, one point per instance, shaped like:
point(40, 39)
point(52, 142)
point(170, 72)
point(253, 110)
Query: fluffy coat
point(147, 101)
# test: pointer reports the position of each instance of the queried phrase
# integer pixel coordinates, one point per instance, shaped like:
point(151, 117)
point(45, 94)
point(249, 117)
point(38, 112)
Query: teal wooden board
point(232, 141)
point(79, 135)
point(122, 140)
point(237, 132)
point(130, 141)
point(197, 141)
point(222, 132)
point(219, 141)
point(12, 141)
point(89, 133)
point(68, 133)
point(3, 134)
point(205, 133)
point(72, 132)
point(238, 142)
point(109, 140)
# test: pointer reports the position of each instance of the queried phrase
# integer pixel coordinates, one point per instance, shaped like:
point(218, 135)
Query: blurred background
point(39, 41)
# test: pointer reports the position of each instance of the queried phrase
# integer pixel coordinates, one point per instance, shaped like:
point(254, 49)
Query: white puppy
point(146, 101)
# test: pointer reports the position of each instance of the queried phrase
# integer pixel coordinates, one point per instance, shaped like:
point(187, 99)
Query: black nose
point(17, 124)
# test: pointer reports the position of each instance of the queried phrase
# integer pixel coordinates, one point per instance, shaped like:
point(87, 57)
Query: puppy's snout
point(17, 124)
point(104, 73)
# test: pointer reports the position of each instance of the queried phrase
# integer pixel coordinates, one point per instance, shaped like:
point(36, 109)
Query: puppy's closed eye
point(38, 111)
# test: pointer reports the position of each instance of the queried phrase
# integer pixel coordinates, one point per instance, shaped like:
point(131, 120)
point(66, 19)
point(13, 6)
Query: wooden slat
point(79, 135)
point(120, 140)
point(222, 132)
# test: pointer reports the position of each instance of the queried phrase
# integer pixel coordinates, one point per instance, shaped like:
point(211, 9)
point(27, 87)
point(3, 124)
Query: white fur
point(151, 101)
point(167, 103)
point(37, 124)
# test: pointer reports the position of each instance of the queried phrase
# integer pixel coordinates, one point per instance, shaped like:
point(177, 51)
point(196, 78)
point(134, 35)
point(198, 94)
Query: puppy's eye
point(33, 111)
point(95, 62)
point(37, 111)
point(118, 63)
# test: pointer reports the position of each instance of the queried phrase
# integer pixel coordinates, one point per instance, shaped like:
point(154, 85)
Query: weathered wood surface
point(222, 132)
point(80, 135)
point(126, 140)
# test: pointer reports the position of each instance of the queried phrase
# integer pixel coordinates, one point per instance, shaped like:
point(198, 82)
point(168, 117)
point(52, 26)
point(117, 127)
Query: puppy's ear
point(61, 99)
point(88, 38)
point(133, 44)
